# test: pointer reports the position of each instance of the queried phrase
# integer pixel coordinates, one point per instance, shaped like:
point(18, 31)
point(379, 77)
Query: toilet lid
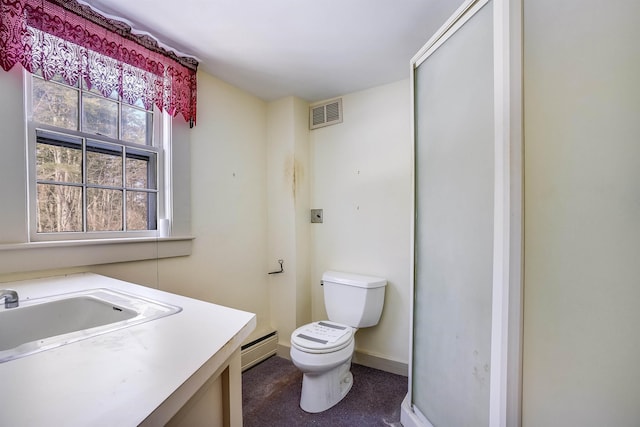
point(322, 337)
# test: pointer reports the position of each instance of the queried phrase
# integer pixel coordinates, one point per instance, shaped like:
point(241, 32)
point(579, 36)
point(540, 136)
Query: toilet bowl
point(325, 365)
point(323, 350)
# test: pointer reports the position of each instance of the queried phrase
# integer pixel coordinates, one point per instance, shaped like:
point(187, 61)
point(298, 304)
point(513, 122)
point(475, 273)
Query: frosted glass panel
point(454, 228)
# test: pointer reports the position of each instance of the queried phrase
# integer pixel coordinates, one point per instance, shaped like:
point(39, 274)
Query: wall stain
point(294, 174)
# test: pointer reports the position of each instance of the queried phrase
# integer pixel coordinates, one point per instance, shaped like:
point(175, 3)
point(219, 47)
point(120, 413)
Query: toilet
point(323, 350)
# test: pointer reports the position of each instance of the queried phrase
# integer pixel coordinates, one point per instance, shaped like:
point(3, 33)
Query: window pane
point(104, 210)
point(99, 115)
point(59, 208)
point(58, 163)
point(141, 170)
point(141, 210)
point(104, 164)
point(54, 104)
point(136, 125)
point(56, 78)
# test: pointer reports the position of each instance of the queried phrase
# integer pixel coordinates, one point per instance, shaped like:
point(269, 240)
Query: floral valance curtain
point(62, 37)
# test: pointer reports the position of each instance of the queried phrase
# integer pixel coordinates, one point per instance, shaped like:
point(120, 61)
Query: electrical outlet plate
point(316, 215)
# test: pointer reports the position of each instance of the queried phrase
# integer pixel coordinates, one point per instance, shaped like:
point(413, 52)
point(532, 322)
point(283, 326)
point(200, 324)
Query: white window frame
point(160, 143)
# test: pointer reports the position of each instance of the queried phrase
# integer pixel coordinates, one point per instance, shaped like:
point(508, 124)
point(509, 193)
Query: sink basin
point(44, 323)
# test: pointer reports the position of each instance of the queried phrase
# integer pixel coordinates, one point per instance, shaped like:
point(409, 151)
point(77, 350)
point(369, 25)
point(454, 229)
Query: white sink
point(44, 323)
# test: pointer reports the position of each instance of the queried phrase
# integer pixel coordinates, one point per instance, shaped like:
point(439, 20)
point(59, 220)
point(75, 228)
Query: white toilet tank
point(353, 299)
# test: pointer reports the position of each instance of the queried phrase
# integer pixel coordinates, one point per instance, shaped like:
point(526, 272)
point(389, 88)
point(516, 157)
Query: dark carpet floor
point(271, 397)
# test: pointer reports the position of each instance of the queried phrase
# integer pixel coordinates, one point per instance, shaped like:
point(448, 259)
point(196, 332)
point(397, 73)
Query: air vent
point(325, 114)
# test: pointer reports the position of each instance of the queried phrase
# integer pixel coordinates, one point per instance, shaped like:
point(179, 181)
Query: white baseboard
point(381, 363)
point(365, 359)
point(258, 350)
point(284, 351)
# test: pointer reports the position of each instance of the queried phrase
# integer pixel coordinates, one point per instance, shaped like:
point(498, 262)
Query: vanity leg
point(232, 392)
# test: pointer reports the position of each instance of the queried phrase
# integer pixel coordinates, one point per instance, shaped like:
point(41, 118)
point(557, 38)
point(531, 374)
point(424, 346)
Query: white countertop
point(119, 378)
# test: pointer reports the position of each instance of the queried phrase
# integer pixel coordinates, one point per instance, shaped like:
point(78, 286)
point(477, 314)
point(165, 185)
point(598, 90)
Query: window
point(95, 163)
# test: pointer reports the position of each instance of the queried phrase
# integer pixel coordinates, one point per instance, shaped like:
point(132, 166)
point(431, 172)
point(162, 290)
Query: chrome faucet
point(10, 298)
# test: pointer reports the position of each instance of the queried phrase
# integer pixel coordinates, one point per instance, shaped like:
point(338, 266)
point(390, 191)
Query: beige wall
point(288, 214)
point(582, 213)
point(219, 197)
point(361, 177)
point(13, 227)
point(367, 213)
point(228, 199)
point(248, 173)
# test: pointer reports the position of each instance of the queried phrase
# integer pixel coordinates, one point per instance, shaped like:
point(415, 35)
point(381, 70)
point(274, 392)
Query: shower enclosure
point(465, 358)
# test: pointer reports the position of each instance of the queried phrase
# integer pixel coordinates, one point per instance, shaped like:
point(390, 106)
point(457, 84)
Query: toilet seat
point(322, 337)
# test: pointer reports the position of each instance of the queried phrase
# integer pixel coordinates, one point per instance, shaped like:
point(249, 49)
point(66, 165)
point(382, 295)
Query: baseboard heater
point(259, 349)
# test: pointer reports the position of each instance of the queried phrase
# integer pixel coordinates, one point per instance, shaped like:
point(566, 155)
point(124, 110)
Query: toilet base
point(321, 391)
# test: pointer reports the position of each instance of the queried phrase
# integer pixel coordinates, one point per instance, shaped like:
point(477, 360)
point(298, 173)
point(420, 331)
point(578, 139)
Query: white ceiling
point(274, 48)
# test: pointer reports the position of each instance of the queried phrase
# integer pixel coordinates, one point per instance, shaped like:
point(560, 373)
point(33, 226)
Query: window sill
point(23, 257)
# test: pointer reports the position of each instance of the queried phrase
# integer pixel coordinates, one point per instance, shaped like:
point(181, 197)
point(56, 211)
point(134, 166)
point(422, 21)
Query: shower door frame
point(505, 385)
